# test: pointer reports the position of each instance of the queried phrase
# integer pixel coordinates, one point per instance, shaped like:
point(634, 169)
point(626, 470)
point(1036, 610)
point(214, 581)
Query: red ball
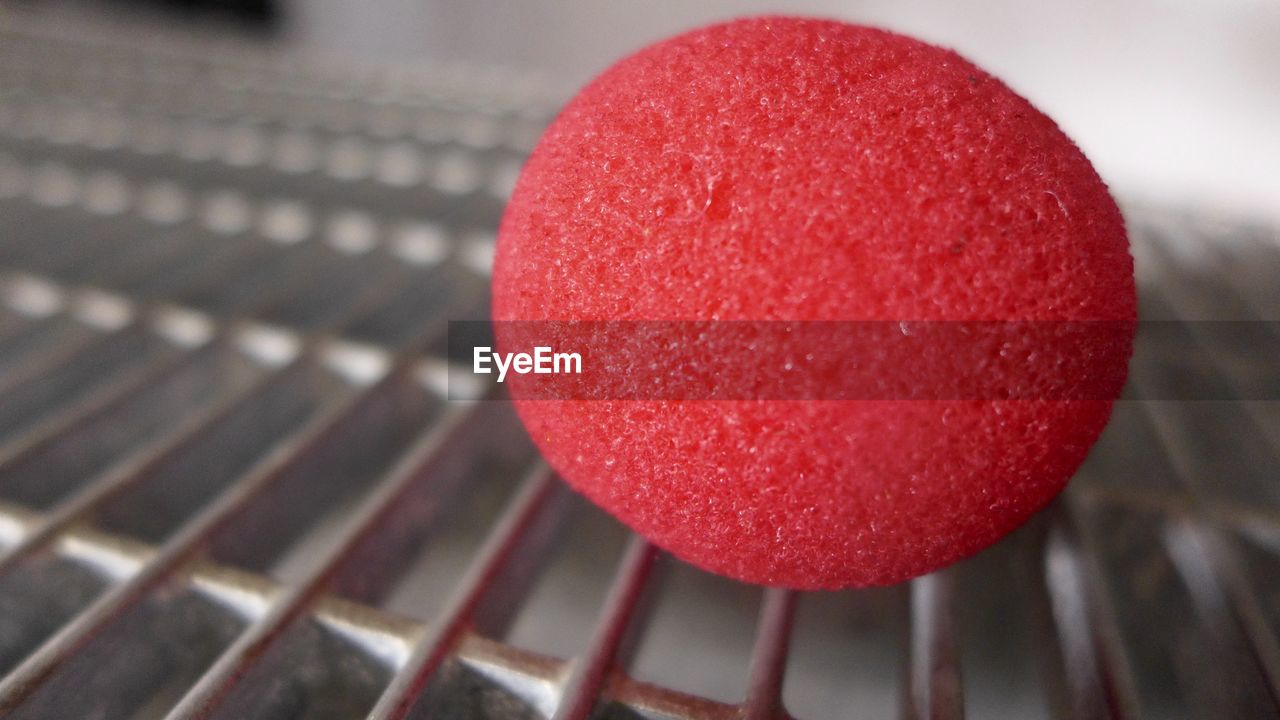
point(798, 169)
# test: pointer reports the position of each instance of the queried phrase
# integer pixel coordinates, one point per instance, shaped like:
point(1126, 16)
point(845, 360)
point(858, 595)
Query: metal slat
point(1199, 547)
point(47, 476)
point(375, 510)
point(254, 288)
point(1208, 560)
point(461, 187)
point(769, 658)
point(1204, 308)
point(460, 612)
point(1188, 545)
point(218, 108)
point(933, 690)
point(1095, 670)
point(181, 548)
point(94, 405)
point(1225, 563)
point(300, 264)
point(609, 646)
point(129, 472)
point(46, 343)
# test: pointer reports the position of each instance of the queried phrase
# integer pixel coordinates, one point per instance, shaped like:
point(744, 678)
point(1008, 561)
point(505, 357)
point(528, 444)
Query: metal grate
point(230, 486)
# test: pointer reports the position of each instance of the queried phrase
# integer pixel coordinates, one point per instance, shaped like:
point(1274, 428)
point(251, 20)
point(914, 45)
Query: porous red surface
point(799, 169)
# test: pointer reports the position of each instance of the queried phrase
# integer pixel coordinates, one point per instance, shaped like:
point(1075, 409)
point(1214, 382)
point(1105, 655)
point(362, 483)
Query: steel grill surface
point(231, 484)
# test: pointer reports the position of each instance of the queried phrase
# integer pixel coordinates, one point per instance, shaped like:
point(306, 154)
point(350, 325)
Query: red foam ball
point(799, 169)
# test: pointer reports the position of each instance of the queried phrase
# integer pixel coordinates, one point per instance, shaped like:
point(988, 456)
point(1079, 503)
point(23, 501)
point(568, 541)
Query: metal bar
point(362, 289)
point(933, 690)
point(177, 551)
point(301, 264)
point(213, 106)
point(233, 324)
point(1031, 580)
point(98, 402)
point(1202, 547)
point(1228, 573)
point(1099, 674)
point(1223, 574)
point(606, 649)
point(32, 366)
point(268, 285)
point(131, 471)
point(769, 657)
point(377, 297)
point(237, 659)
point(1183, 302)
point(1187, 544)
point(454, 622)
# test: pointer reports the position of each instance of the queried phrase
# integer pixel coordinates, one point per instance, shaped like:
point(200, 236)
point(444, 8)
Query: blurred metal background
point(230, 486)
